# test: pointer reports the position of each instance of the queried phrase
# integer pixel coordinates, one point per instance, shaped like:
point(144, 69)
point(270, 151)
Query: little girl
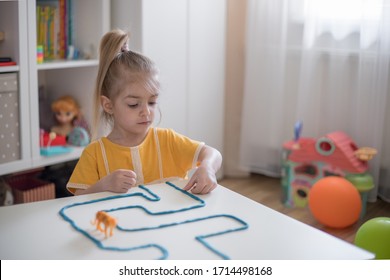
point(135, 152)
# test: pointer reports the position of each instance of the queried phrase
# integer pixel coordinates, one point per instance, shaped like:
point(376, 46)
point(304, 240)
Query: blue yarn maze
point(141, 215)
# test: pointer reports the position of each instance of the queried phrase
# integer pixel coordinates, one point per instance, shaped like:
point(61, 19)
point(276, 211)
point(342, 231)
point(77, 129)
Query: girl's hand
point(202, 181)
point(120, 181)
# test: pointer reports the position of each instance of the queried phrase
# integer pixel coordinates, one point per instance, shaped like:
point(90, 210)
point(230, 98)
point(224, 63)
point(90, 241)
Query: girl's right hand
point(120, 181)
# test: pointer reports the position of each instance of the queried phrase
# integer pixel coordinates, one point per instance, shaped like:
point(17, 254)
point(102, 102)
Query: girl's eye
point(132, 105)
point(152, 103)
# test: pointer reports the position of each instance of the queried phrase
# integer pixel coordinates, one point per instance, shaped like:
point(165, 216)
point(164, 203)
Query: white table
point(37, 231)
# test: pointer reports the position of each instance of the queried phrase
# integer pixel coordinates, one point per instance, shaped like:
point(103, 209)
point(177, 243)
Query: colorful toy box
point(306, 160)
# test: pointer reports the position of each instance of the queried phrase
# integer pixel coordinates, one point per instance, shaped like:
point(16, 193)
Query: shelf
point(50, 160)
point(61, 64)
point(41, 161)
point(18, 22)
point(14, 166)
point(5, 69)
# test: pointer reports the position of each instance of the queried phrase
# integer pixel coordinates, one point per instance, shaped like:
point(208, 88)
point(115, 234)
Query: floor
point(268, 192)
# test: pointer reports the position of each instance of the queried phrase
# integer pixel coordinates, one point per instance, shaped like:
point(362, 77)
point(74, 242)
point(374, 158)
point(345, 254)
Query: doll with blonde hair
point(136, 152)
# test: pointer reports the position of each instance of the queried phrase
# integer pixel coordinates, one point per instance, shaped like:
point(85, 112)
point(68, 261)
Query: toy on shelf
point(40, 56)
point(67, 114)
point(52, 144)
point(306, 160)
point(6, 196)
point(70, 130)
point(49, 139)
point(108, 222)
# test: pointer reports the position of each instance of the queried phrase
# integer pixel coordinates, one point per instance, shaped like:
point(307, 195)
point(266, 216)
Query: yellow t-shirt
point(163, 155)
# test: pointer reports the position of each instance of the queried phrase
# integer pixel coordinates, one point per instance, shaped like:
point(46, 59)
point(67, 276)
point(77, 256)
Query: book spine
point(62, 31)
point(46, 32)
point(56, 33)
point(50, 35)
point(70, 23)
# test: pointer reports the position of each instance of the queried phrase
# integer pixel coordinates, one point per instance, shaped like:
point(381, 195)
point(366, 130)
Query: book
point(5, 59)
point(9, 63)
point(54, 28)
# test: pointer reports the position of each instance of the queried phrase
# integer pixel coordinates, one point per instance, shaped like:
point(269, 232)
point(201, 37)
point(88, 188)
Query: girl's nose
point(145, 110)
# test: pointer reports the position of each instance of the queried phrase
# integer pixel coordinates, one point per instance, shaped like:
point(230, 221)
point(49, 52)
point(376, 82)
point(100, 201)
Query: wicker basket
point(27, 188)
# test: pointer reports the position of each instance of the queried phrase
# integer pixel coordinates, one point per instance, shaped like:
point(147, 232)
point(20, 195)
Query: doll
point(71, 124)
point(66, 111)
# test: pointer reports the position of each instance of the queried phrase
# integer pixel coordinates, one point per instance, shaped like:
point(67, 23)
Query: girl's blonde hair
point(119, 67)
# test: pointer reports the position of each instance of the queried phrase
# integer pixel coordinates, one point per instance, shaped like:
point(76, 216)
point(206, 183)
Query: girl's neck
point(127, 139)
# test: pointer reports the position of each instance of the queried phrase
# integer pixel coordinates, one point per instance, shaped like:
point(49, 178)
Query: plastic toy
point(306, 160)
point(78, 137)
point(52, 144)
point(363, 182)
point(374, 236)
point(108, 222)
point(70, 129)
point(55, 150)
point(6, 196)
point(66, 110)
point(51, 139)
point(40, 56)
point(335, 202)
point(70, 122)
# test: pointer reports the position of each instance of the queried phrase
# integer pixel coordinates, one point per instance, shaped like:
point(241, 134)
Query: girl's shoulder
point(170, 135)
point(163, 131)
point(92, 146)
point(96, 145)
point(167, 134)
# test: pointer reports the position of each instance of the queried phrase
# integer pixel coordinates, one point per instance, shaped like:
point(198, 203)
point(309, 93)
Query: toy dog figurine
point(108, 222)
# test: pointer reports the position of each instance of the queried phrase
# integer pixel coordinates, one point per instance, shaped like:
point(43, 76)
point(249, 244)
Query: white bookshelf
point(13, 24)
point(8, 69)
point(91, 19)
point(67, 64)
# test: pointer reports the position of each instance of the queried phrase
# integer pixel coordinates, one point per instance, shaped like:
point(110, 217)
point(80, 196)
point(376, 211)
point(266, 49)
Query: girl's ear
point(106, 104)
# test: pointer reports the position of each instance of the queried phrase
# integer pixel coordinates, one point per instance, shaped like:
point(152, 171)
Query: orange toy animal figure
point(105, 219)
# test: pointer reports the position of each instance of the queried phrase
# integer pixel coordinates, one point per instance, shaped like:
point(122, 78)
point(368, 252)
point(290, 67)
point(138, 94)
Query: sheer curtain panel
point(323, 62)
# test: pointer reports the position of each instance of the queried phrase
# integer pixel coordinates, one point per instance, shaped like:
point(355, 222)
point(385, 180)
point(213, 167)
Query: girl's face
point(134, 110)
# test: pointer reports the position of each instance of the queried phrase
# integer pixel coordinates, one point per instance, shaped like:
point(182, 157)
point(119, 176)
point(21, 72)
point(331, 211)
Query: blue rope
point(154, 198)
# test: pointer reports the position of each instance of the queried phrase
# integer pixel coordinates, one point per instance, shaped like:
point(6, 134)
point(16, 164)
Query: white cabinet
point(13, 44)
point(186, 39)
point(91, 19)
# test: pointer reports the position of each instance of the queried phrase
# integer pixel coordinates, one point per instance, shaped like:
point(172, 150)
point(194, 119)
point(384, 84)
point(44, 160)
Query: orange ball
point(335, 202)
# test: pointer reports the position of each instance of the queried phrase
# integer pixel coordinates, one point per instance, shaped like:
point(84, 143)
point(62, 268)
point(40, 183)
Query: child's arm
point(119, 181)
point(204, 180)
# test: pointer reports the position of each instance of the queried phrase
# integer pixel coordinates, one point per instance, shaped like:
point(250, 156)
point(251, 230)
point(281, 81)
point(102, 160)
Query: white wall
point(186, 39)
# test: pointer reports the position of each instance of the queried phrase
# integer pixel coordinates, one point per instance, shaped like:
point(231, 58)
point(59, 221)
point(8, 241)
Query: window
point(343, 18)
point(325, 146)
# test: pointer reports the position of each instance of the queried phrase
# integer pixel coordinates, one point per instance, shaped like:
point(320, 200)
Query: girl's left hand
point(202, 181)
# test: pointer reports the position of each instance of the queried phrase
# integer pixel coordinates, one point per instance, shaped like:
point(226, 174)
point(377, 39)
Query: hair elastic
point(125, 48)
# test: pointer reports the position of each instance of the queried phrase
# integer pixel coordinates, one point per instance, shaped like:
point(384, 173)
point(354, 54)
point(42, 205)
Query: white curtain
point(324, 62)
